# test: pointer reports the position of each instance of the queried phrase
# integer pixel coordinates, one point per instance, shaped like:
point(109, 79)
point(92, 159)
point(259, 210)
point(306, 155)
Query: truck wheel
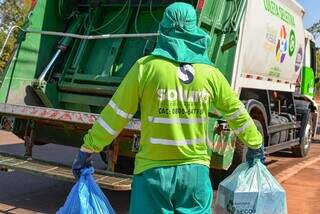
point(303, 149)
point(104, 157)
point(124, 164)
point(239, 157)
point(241, 150)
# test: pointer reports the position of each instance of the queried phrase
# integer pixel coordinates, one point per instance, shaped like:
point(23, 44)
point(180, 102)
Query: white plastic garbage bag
point(250, 190)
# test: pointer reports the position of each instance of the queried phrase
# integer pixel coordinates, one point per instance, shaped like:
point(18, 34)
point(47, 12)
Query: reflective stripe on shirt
point(176, 142)
point(241, 129)
point(119, 112)
point(106, 127)
point(176, 120)
point(235, 115)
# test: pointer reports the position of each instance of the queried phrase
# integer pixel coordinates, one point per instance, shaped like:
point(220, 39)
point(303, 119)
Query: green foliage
point(12, 12)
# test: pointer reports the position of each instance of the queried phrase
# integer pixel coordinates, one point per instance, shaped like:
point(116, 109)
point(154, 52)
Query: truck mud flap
point(106, 180)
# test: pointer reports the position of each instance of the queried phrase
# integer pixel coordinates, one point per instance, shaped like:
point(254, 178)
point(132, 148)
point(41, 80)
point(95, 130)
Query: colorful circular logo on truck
point(282, 45)
point(292, 42)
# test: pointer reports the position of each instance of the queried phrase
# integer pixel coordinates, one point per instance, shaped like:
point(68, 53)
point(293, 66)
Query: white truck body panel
point(271, 46)
point(265, 84)
point(307, 57)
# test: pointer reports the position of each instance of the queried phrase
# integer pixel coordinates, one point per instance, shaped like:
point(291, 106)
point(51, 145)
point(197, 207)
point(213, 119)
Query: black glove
point(254, 155)
point(83, 160)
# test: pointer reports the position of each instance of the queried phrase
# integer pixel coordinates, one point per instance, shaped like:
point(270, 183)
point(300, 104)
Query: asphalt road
point(26, 193)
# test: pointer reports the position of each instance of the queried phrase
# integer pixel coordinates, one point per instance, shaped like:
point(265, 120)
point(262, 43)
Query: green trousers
point(181, 189)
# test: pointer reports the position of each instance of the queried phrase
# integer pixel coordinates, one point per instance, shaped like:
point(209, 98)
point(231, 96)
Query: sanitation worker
point(174, 87)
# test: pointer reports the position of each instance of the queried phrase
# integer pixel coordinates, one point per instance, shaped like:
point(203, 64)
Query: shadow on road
point(287, 154)
point(26, 193)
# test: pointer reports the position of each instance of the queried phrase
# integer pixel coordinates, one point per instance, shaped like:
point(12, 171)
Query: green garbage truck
point(71, 55)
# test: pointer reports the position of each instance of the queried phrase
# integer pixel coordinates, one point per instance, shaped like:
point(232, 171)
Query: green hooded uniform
point(174, 89)
point(174, 113)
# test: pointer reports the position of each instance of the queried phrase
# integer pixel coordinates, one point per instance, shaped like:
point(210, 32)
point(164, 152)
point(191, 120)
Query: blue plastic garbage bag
point(86, 197)
point(250, 190)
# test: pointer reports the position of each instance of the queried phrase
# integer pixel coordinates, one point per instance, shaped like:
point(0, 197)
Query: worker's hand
point(83, 160)
point(254, 155)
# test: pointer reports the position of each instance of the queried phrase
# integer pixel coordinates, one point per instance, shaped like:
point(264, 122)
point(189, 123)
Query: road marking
point(288, 173)
point(102, 178)
point(123, 180)
point(5, 160)
point(50, 169)
point(19, 163)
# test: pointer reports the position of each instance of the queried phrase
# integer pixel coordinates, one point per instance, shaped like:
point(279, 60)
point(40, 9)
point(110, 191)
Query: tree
point(315, 29)
point(12, 12)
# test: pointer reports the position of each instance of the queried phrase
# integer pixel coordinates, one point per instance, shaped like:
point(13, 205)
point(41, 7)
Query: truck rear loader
point(71, 55)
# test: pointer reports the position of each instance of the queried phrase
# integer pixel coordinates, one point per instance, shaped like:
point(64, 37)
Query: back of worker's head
point(179, 17)
point(180, 39)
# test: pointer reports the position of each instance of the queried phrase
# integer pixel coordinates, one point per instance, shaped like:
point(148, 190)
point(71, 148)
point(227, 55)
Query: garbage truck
point(71, 55)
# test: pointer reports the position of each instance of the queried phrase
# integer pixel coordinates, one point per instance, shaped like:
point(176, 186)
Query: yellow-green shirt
point(174, 102)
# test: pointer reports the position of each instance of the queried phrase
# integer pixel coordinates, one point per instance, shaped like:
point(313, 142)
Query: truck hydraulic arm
point(62, 45)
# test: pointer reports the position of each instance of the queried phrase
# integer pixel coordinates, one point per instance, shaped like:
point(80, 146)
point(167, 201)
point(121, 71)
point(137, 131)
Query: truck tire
point(104, 157)
point(303, 148)
point(239, 157)
point(241, 150)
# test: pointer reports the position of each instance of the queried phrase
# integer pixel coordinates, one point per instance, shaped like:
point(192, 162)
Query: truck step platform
point(58, 116)
point(105, 179)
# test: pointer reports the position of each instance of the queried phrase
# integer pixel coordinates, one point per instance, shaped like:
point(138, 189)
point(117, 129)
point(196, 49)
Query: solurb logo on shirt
point(186, 73)
point(183, 95)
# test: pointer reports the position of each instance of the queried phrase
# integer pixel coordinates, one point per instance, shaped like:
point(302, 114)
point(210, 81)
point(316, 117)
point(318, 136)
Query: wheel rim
point(307, 135)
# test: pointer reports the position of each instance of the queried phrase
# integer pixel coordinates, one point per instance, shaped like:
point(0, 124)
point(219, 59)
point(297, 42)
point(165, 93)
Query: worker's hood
point(180, 38)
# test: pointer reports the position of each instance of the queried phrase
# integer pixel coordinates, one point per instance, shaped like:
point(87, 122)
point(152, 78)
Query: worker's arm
point(116, 115)
point(227, 102)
